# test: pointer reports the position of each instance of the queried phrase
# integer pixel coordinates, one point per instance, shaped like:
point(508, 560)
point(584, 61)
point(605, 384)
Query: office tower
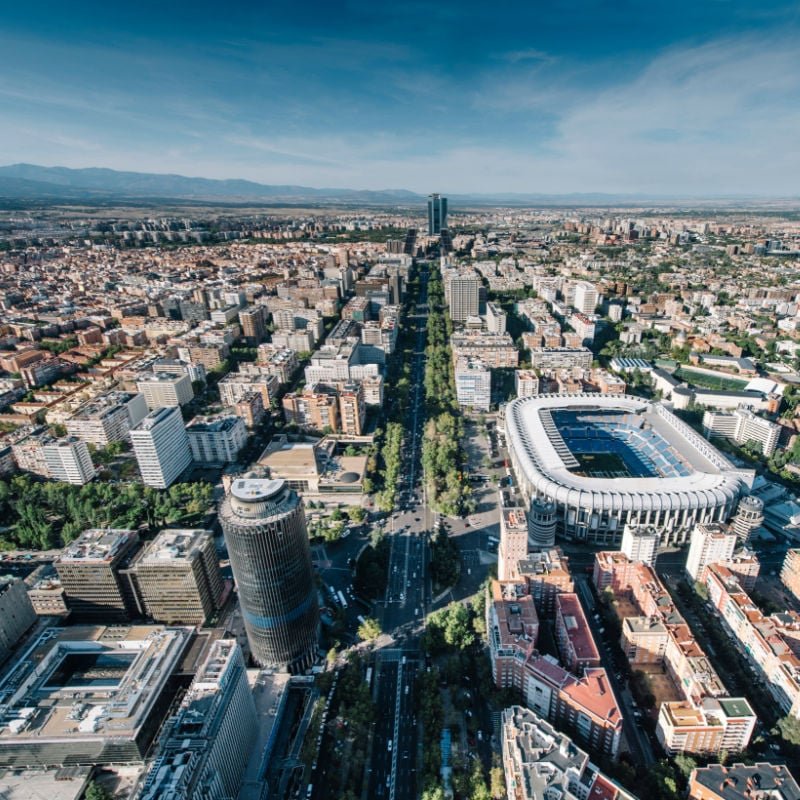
point(464, 297)
point(711, 543)
point(254, 323)
point(164, 389)
point(748, 518)
point(742, 426)
point(410, 245)
point(205, 746)
point(265, 529)
point(586, 297)
point(89, 570)
point(161, 447)
point(437, 214)
point(16, 613)
point(176, 578)
point(68, 460)
point(640, 543)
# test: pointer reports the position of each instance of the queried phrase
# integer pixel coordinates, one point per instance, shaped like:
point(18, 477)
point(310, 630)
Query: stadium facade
point(607, 461)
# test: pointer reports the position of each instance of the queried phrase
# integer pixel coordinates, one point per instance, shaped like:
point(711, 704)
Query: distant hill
point(28, 181)
point(32, 183)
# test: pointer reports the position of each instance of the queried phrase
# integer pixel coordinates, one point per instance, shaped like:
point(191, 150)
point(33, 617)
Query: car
point(389, 746)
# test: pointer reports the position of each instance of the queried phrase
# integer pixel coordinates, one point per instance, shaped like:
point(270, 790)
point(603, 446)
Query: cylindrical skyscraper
point(542, 524)
point(265, 531)
point(748, 518)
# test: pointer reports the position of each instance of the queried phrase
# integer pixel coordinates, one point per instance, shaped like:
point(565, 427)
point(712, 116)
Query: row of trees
point(445, 564)
point(41, 515)
point(442, 455)
point(392, 461)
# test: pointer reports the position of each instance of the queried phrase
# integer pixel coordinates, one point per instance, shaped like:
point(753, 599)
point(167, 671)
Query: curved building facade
point(605, 461)
point(265, 531)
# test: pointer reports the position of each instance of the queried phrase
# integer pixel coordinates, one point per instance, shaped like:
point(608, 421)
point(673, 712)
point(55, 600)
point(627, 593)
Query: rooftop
point(98, 544)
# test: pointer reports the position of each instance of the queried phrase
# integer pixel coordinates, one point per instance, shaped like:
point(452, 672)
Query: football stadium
point(609, 460)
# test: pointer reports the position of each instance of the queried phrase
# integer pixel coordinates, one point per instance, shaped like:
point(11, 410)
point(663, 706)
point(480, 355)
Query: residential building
point(551, 359)
point(711, 543)
point(495, 318)
point(166, 389)
point(760, 781)
point(216, 440)
point(161, 447)
point(89, 571)
point(640, 543)
point(253, 320)
point(108, 418)
point(790, 572)
point(586, 297)
point(539, 762)
point(473, 384)
point(494, 350)
point(236, 385)
point(576, 648)
point(68, 460)
point(464, 296)
point(742, 426)
point(526, 383)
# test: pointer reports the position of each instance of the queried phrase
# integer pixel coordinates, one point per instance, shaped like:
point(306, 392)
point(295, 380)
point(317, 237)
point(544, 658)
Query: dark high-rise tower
point(437, 214)
point(265, 531)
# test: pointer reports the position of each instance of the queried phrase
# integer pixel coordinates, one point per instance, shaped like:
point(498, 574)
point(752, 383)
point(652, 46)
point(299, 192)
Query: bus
point(341, 598)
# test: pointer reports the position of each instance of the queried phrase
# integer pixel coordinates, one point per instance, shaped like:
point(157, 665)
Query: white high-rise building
point(526, 382)
point(742, 426)
point(68, 460)
point(640, 543)
point(495, 318)
point(473, 384)
point(164, 389)
point(586, 297)
point(464, 296)
point(161, 447)
point(712, 543)
point(216, 440)
point(205, 746)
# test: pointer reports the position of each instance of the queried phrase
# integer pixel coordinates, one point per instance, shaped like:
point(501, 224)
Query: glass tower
point(437, 214)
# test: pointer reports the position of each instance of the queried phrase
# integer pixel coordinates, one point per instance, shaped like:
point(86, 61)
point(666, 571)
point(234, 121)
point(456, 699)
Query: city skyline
point(683, 100)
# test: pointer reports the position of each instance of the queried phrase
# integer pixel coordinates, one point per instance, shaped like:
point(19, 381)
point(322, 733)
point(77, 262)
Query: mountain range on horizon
point(33, 183)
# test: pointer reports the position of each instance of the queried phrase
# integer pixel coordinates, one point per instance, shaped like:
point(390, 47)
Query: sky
point(688, 97)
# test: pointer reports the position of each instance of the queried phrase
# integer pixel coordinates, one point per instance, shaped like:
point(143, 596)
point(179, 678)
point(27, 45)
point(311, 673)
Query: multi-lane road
point(393, 767)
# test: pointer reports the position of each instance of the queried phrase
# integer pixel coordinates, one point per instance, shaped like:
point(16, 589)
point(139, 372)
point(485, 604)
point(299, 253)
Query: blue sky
point(697, 98)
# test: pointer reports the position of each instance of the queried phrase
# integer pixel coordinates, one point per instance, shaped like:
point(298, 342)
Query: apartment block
point(526, 383)
point(742, 426)
point(166, 389)
point(640, 543)
point(473, 384)
point(552, 359)
point(741, 782)
point(790, 571)
point(236, 385)
point(711, 543)
point(576, 647)
point(161, 447)
point(108, 419)
point(68, 460)
point(216, 440)
point(537, 758)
